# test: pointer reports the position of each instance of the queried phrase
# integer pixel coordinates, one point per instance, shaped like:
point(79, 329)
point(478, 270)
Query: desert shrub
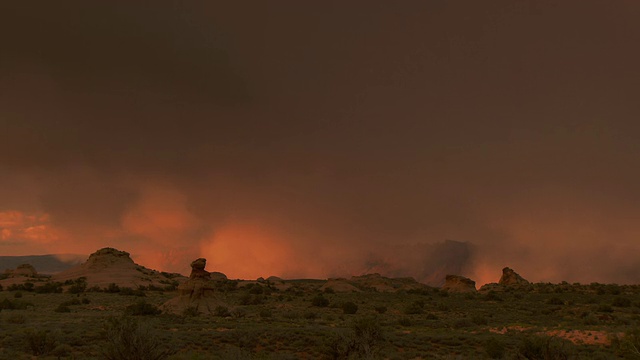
point(613, 289)
point(71, 302)
point(190, 311)
point(256, 290)
point(494, 348)
point(17, 295)
point(590, 319)
point(127, 339)
point(16, 319)
point(40, 342)
point(329, 290)
point(349, 308)
point(221, 311)
point(414, 308)
point(381, 309)
point(14, 304)
point(0, 287)
point(28, 286)
point(492, 296)
point(62, 308)
point(62, 350)
point(112, 288)
point(462, 323)
point(78, 286)
point(86, 300)
point(479, 319)
point(320, 301)
point(266, 313)
point(310, 315)
point(362, 341)
point(604, 308)
point(543, 348)
point(621, 302)
point(142, 308)
point(431, 316)
point(248, 299)
point(238, 313)
point(405, 321)
point(127, 291)
point(49, 288)
point(555, 301)
point(291, 315)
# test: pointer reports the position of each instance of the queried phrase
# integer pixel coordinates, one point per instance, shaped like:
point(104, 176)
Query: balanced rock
point(199, 292)
point(458, 284)
point(510, 277)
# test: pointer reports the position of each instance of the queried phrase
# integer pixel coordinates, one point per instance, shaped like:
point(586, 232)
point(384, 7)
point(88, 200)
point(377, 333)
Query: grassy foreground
point(541, 321)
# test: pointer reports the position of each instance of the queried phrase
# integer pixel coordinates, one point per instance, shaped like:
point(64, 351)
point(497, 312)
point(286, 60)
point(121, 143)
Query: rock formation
point(23, 270)
point(373, 282)
point(111, 266)
point(199, 292)
point(510, 277)
point(339, 285)
point(459, 284)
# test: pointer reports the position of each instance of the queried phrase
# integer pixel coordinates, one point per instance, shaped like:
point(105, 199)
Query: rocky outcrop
point(384, 284)
point(373, 282)
point(23, 270)
point(111, 266)
point(339, 285)
point(510, 277)
point(458, 284)
point(198, 293)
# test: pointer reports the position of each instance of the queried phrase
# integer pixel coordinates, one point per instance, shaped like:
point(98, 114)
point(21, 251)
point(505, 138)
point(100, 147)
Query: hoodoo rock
point(199, 292)
point(510, 277)
point(458, 284)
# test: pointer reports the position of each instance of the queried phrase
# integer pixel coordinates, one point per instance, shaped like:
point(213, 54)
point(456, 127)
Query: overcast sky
point(311, 138)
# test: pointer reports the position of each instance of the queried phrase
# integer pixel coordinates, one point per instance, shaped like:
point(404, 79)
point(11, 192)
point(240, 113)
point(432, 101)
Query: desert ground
point(368, 317)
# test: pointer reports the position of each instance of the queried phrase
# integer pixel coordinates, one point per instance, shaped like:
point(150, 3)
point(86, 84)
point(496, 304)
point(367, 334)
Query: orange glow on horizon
point(249, 251)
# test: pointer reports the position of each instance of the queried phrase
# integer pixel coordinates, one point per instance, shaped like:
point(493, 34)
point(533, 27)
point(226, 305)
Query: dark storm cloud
point(356, 126)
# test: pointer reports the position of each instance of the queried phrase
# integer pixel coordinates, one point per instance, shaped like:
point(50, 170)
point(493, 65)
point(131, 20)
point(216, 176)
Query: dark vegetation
point(260, 321)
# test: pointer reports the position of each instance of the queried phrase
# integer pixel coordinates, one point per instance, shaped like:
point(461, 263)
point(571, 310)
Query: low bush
point(14, 304)
point(221, 311)
point(405, 321)
point(621, 302)
point(16, 319)
point(414, 308)
point(544, 348)
point(320, 301)
point(555, 301)
point(129, 339)
point(190, 311)
point(62, 308)
point(127, 291)
point(381, 309)
point(49, 288)
point(142, 308)
point(40, 342)
point(349, 308)
point(495, 348)
point(362, 341)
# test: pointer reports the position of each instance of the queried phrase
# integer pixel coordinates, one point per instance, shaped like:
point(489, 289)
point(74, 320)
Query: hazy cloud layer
point(316, 140)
